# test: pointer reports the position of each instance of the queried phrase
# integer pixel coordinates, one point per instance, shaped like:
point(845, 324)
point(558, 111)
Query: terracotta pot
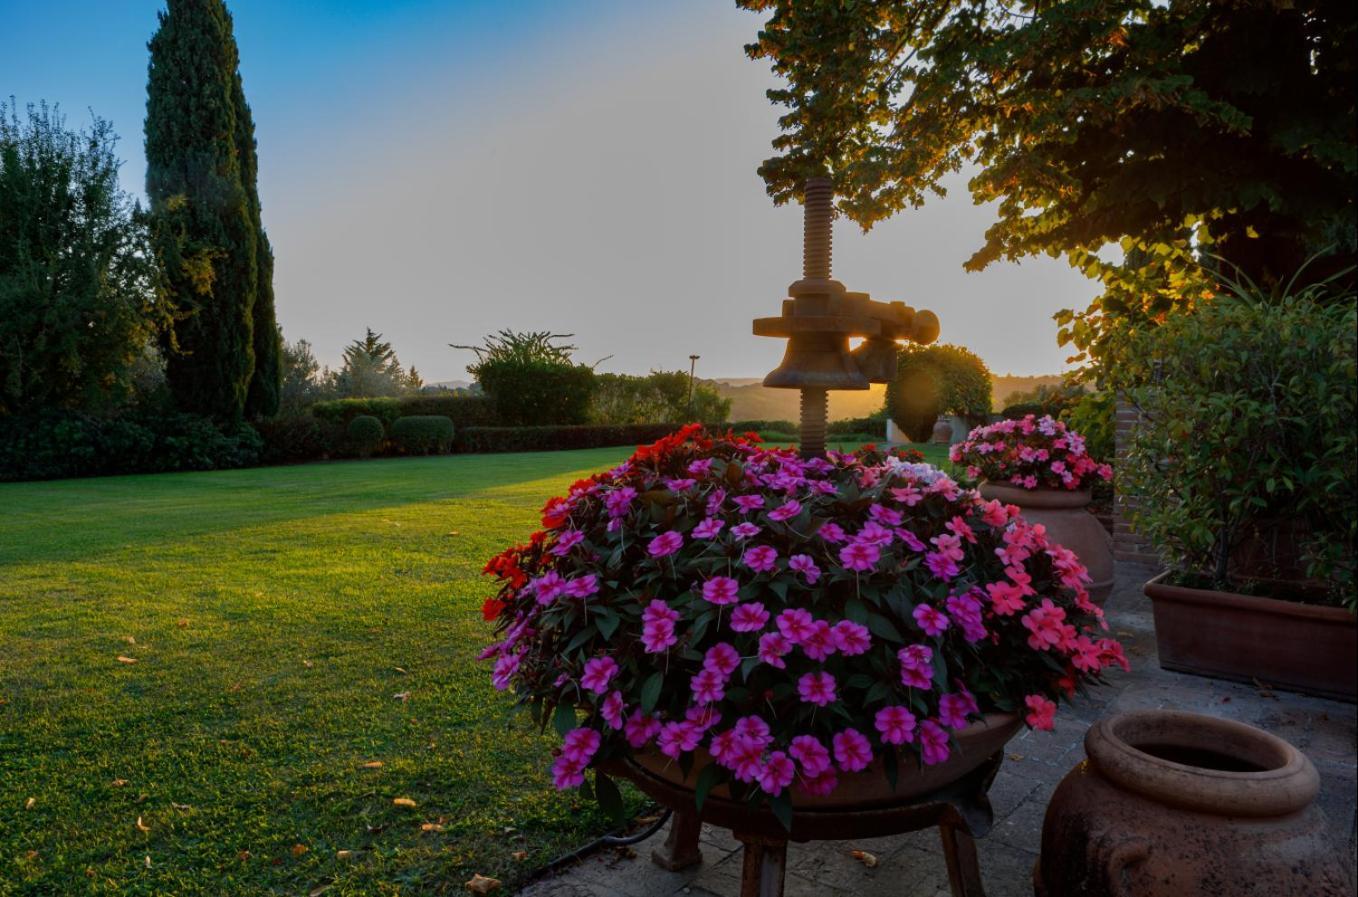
point(974, 745)
point(1301, 647)
point(1066, 516)
point(1175, 804)
point(942, 432)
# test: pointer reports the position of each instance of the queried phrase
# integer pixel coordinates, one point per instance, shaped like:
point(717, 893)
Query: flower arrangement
point(794, 619)
point(1031, 453)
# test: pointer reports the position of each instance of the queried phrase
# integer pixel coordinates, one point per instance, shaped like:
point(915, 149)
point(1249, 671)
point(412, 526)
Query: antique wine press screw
point(820, 316)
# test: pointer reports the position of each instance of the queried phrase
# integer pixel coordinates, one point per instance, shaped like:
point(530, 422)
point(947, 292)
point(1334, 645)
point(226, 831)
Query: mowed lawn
point(290, 627)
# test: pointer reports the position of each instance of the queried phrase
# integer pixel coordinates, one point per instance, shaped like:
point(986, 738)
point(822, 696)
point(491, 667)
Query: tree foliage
point(531, 378)
point(659, 397)
point(371, 369)
point(1154, 128)
point(265, 391)
point(78, 299)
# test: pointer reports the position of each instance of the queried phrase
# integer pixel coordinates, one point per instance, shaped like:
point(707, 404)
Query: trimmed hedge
point(462, 410)
point(296, 438)
point(423, 434)
point(537, 439)
point(365, 434)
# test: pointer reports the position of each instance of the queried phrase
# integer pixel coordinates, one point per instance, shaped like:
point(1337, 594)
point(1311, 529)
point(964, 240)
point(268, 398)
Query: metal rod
point(814, 411)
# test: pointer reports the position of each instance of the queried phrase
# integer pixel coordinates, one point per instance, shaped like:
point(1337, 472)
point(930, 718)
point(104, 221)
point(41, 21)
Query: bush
point(874, 426)
point(1248, 442)
point(934, 380)
point(423, 434)
point(1094, 415)
point(660, 396)
point(1020, 410)
point(293, 438)
point(537, 393)
point(756, 426)
point(462, 410)
point(537, 439)
point(365, 435)
point(58, 444)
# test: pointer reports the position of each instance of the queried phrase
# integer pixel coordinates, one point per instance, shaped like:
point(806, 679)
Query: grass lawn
point(289, 626)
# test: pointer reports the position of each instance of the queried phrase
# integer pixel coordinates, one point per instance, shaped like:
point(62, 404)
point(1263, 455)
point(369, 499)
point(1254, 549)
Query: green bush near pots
point(1245, 467)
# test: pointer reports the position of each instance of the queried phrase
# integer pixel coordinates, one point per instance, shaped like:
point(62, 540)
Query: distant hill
point(1004, 386)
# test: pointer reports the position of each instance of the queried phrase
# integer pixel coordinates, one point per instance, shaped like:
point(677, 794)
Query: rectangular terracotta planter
point(1298, 647)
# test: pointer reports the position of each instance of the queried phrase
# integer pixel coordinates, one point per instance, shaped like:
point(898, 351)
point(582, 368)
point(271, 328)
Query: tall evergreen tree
point(204, 235)
point(262, 399)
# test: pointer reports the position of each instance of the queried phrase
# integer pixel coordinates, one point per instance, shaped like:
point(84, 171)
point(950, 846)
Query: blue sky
point(439, 170)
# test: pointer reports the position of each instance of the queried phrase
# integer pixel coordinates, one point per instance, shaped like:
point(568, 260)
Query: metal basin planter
point(1173, 804)
point(1066, 516)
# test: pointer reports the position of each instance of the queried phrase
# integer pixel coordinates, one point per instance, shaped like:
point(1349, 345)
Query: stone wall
point(1127, 545)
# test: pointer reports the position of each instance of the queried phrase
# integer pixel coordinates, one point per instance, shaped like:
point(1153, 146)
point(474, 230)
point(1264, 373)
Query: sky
point(441, 170)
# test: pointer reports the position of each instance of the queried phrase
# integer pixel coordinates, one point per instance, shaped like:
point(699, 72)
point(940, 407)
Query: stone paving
point(912, 865)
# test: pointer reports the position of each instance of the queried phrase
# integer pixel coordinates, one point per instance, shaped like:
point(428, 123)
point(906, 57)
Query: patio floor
point(912, 865)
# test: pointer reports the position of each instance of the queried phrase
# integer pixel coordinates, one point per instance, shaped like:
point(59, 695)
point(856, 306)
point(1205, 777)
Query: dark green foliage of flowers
point(78, 301)
point(934, 380)
point(365, 434)
point(1249, 435)
point(423, 434)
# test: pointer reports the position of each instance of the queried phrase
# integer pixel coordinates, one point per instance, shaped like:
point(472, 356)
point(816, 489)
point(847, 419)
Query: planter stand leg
point(680, 849)
point(765, 862)
point(964, 872)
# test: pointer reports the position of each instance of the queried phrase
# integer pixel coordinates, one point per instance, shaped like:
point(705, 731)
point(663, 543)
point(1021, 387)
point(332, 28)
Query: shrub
point(365, 435)
point(874, 426)
point(1248, 441)
point(538, 439)
point(1020, 410)
point(423, 434)
point(1044, 400)
point(1094, 415)
point(537, 393)
point(293, 438)
point(757, 426)
point(462, 410)
point(658, 397)
point(934, 380)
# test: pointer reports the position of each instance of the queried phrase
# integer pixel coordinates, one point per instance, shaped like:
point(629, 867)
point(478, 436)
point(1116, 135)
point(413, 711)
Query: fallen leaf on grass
point(243, 855)
point(401, 670)
point(319, 890)
point(299, 849)
point(520, 855)
point(373, 764)
point(343, 854)
point(30, 803)
point(233, 687)
point(865, 858)
point(402, 696)
point(431, 827)
point(31, 855)
point(123, 658)
point(118, 783)
point(141, 826)
point(182, 623)
point(454, 533)
point(180, 806)
point(148, 861)
point(308, 664)
point(130, 640)
point(403, 802)
point(480, 884)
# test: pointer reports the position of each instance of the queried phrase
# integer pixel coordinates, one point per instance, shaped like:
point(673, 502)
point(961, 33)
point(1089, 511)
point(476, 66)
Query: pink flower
point(941, 565)
point(761, 558)
point(708, 686)
point(747, 760)
point(917, 669)
point(722, 658)
point(811, 754)
point(816, 688)
point(1041, 713)
point(796, 624)
point(777, 773)
point(852, 638)
point(749, 617)
point(772, 648)
point(548, 587)
point(614, 710)
point(1044, 625)
point(910, 539)
point(619, 501)
point(721, 590)
point(853, 751)
point(744, 530)
point(677, 738)
point(567, 773)
point(598, 672)
point(701, 467)
point(657, 636)
point(566, 541)
point(933, 741)
point(755, 729)
point(954, 709)
point(702, 717)
point(709, 528)
point(966, 613)
point(665, 544)
point(820, 643)
point(896, 725)
point(640, 729)
point(786, 511)
point(930, 619)
point(804, 565)
point(504, 670)
point(583, 586)
point(884, 515)
point(723, 746)
point(860, 556)
point(819, 785)
point(748, 503)
point(1005, 598)
point(580, 744)
point(907, 495)
point(832, 532)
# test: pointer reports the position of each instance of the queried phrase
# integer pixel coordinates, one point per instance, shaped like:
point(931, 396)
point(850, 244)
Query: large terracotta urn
point(1171, 804)
point(1065, 514)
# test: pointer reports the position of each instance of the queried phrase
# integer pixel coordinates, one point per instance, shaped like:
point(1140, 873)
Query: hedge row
point(535, 439)
point(462, 410)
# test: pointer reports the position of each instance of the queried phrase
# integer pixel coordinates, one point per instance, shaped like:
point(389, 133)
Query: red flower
point(492, 609)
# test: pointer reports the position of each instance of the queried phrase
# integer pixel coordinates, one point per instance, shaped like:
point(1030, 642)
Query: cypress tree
point(204, 234)
point(266, 383)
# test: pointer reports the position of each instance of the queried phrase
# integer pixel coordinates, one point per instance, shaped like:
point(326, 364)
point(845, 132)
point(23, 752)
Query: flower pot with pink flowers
point(1042, 466)
point(784, 634)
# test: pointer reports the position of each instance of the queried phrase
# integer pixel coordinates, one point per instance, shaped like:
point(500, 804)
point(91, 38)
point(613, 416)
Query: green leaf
point(563, 720)
point(581, 637)
point(856, 611)
point(782, 808)
point(706, 779)
point(608, 796)
point(889, 767)
point(607, 621)
point(650, 691)
point(884, 628)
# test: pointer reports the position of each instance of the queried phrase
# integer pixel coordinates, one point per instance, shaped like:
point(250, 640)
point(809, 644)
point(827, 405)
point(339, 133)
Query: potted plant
point(1245, 478)
point(764, 628)
point(937, 380)
point(1042, 466)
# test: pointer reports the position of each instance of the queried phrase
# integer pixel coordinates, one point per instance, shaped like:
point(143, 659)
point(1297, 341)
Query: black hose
point(608, 840)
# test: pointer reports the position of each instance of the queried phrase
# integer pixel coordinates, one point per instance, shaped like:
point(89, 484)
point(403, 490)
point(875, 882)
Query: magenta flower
point(933, 742)
point(852, 638)
point(548, 587)
point(884, 515)
point(640, 729)
point(796, 624)
point(786, 511)
point(709, 528)
point(932, 620)
point(701, 467)
point(614, 710)
point(874, 533)
point(580, 744)
point(773, 646)
point(583, 586)
point(721, 590)
point(598, 671)
point(567, 773)
point(853, 751)
point(747, 760)
point(721, 658)
point(820, 643)
point(1041, 713)
point(619, 501)
point(745, 530)
point(702, 717)
point(896, 725)
point(953, 711)
point(816, 688)
point(831, 532)
point(566, 541)
point(777, 773)
point(749, 617)
point(966, 613)
point(941, 565)
point(804, 565)
point(665, 544)
point(504, 670)
point(761, 558)
point(917, 669)
point(748, 503)
point(755, 729)
point(821, 785)
point(910, 540)
point(723, 746)
point(658, 636)
point(861, 556)
point(811, 754)
point(677, 738)
point(708, 686)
